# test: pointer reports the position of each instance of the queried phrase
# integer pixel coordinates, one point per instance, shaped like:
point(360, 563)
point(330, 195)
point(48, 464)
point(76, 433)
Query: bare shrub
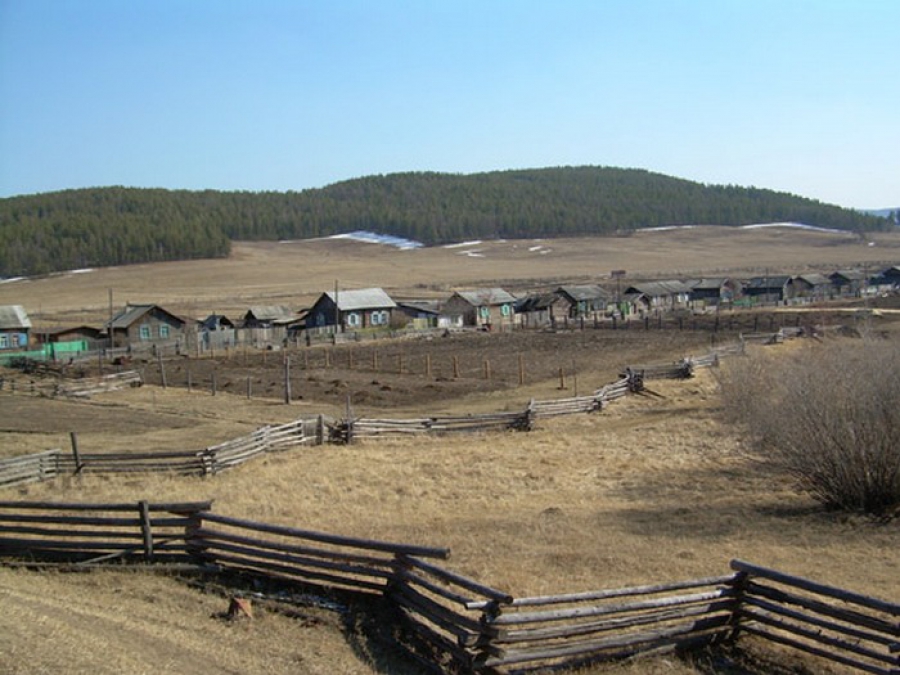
point(829, 416)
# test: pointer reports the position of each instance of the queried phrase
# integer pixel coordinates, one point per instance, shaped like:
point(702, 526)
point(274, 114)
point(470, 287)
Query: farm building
point(424, 314)
point(88, 337)
point(489, 308)
point(268, 316)
point(662, 295)
point(809, 286)
point(888, 279)
point(138, 325)
point(773, 288)
point(217, 332)
point(541, 310)
point(584, 302)
point(848, 282)
point(363, 309)
point(15, 327)
point(713, 292)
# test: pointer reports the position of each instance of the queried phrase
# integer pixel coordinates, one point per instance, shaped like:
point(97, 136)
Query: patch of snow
point(545, 251)
point(375, 238)
point(82, 271)
point(472, 254)
point(536, 248)
point(13, 279)
point(799, 226)
point(666, 228)
point(463, 244)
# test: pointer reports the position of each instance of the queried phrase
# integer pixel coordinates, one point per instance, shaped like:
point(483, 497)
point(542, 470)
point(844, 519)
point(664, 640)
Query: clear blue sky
point(794, 95)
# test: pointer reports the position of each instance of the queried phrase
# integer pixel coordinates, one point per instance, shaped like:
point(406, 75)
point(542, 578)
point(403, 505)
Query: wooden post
point(162, 369)
point(562, 378)
point(187, 374)
point(73, 438)
point(455, 367)
point(287, 380)
point(146, 529)
point(521, 370)
point(249, 388)
point(487, 369)
point(574, 378)
point(320, 430)
point(328, 358)
point(214, 384)
point(428, 365)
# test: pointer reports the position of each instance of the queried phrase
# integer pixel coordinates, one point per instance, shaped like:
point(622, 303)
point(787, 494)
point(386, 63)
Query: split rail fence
point(319, 429)
point(456, 624)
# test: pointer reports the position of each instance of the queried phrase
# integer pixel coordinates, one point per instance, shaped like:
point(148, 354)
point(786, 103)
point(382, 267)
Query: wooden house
point(352, 310)
point(848, 283)
point(662, 295)
point(423, 314)
point(584, 302)
point(714, 292)
point(487, 308)
point(887, 280)
point(541, 310)
point(138, 325)
point(15, 328)
point(767, 289)
point(810, 287)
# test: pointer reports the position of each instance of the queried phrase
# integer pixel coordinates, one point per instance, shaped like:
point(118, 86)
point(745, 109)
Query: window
point(353, 319)
point(485, 312)
point(145, 332)
point(4, 341)
point(504, 310)
point(379, 318)
point(163, 331)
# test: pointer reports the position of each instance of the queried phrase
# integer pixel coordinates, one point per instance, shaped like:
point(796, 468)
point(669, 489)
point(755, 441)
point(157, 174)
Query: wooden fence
point(83, 387)
point(848, 628)
point(457, 624)
point(94, 533)
point(208, 461)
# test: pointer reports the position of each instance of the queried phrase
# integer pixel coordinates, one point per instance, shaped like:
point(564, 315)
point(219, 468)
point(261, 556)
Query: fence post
point(739, 584)
point(320, 430)
point(146, 530)
point(73, 437)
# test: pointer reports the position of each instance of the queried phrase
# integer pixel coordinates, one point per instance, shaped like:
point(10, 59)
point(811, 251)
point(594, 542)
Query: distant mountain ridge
point(117, 225)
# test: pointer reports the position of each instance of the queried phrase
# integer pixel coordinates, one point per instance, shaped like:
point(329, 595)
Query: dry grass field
point(653, 489)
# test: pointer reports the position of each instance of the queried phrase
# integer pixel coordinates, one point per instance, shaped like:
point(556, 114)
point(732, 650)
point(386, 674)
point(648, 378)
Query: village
point(342, 315)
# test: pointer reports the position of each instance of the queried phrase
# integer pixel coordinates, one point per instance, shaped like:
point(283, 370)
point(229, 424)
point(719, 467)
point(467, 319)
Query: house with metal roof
point(767, 289)
point(809, 287)
point(145, 325)
point(486, 308)
point(352, 310)
point(848, 282)
point(584, 302)
point(713, 292)
point(15, 328)
point(662, 295)
point(269, 316)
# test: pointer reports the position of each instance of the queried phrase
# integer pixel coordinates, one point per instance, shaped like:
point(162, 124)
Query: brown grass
point(652, 489)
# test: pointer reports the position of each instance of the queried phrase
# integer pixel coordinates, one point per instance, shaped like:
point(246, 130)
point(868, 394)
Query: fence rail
point(457, 623)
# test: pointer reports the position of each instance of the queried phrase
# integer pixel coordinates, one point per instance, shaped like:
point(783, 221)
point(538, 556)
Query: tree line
point(116, 225)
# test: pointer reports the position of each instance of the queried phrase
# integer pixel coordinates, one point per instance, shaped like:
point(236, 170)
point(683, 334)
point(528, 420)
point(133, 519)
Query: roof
point(536, 302)
point(132, 313)
point(706, 284)
point(658, 288)
point(814, 279)
point(590, 292)
point(423, 306)
point(774, 281)
point(14, 316)
point(849, 275)
point(486, 297)
point(271, 313)
point(364, 298)
point(62, 330)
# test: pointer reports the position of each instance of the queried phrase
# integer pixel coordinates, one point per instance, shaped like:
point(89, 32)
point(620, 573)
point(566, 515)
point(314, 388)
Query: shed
point(848, 282)
point(541, 310)
point(268, 316)
point(662, 295)
point(810, 286)
point(772, 288)
point(714, 291)
point(585, 301)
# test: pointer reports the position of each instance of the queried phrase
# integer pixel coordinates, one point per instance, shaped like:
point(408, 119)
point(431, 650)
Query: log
point(457, 579)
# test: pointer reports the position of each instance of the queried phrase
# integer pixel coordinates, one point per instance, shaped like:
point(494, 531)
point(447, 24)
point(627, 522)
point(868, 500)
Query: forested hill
point(113, 226)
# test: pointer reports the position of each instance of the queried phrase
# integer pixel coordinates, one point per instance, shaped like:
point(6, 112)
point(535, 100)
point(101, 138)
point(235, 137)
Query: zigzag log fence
point(318, 430)
point(456, 624)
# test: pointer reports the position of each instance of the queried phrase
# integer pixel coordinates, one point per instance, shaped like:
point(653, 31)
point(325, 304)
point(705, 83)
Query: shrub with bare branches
point(829, 416)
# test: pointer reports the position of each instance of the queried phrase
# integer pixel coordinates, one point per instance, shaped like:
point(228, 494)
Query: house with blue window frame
point(145, 325)
point(485, 308)
point(15, 328)
point(369, 309)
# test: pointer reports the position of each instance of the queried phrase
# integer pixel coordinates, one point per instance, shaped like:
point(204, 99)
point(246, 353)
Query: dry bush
point(827, 415)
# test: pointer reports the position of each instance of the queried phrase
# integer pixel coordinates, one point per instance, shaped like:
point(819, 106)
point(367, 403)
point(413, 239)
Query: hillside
point(116, 225)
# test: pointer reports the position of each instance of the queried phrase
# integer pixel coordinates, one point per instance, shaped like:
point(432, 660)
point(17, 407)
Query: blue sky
point(795, 95)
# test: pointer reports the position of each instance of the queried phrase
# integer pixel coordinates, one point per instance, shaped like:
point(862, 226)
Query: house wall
point(14, 338)
point(154, 326)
